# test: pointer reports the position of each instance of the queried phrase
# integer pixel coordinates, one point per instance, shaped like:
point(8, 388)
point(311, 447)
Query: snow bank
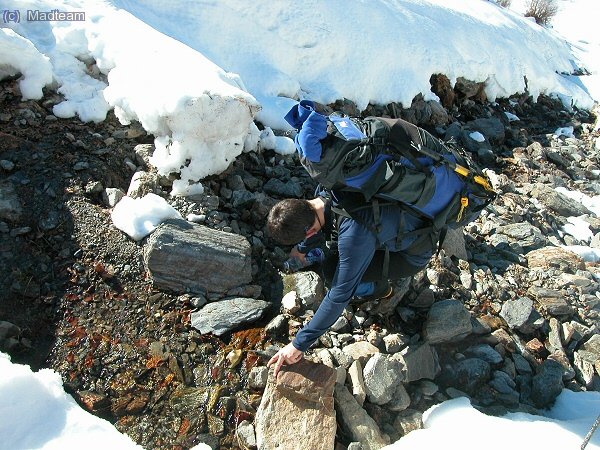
point(376, 51)
point(456, 424)
point(199, 114)
point(140, 216)
point(18, 54)
point(35, 412)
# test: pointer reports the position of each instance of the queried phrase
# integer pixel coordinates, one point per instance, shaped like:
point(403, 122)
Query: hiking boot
point(383, 290)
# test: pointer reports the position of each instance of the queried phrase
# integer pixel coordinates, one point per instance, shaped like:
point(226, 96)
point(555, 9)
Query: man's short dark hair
point(290, 219)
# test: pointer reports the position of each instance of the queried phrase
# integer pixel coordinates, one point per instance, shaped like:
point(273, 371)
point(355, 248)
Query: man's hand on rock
point(287, 355)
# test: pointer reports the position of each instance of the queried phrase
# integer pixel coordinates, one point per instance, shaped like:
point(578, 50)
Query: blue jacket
point(356, 247)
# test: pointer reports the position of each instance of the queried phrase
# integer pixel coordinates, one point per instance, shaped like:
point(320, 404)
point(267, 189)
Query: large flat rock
point(185, 257)
point(296, 410)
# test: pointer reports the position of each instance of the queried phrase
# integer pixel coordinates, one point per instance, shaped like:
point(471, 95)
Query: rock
point(418, 361)
point(447, 321)
point(94, 402)
point(557, 257)
point(308, 287)
point(356, 422)
point(143, 183)
point(290, 303)
point(10, 205)
point(471, 374)
point(584, 367)
point(439, 115)
point(143, 152)
point(341, 358)
point(303, 391)
point(112, 196)
point(395, 342)
point(242, 199)
point(387, 306)
point(277, 325)
point(517, 312)
point(408, 420)
point(441, 86)
point(501, 336)
point(485, 352)
point(592, 345)
point(480, 326)
point(400, 400)
point(523, 237)
point(558, 202)
point(257, 378)
point(8, 330)
point(278, 188)
point(468, 88)
point(547, 384)
point(360, 351)
point(326, 358)
point(502, 382)
point(7, 165)
point(245, 435)
point(339, 325)
point(225, 315)
point(190, 402)
point(521, 365)
point(381, 375)
point(551, 302)
point(492, 129)
point(357, 382)
point(182, 257)
point(425, 299)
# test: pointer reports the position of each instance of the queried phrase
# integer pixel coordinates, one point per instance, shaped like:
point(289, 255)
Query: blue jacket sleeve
point(356, 247)
point(312, 126)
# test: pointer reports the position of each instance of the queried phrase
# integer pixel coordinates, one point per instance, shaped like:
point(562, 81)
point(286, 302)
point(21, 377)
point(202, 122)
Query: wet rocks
point(10, 205)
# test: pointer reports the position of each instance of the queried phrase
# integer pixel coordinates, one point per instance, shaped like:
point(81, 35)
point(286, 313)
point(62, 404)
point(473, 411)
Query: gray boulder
point(184, 257)
point(470, 374)
point(547, 384)
point(223, 316)
point(381, 376)
point(448, 321)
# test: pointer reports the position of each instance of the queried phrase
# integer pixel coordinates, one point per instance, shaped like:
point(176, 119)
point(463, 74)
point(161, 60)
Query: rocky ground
point(503, 315)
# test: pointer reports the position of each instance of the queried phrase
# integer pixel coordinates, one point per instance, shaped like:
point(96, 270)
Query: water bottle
point(294, 264)
point(315, 256)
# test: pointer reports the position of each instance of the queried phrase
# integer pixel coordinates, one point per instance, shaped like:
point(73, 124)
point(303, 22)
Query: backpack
point(381, 160)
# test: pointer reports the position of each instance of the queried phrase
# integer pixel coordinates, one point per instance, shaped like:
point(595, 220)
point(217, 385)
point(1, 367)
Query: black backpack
point(394, 160)
point(376, 160)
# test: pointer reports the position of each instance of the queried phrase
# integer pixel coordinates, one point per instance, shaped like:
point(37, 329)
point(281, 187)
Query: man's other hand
point(287, 355)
